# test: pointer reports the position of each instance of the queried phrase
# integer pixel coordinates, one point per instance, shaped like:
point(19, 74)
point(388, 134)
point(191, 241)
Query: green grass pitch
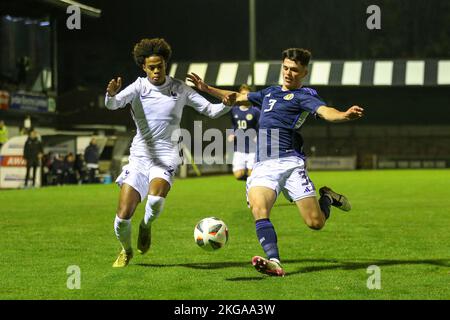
point(400, 222)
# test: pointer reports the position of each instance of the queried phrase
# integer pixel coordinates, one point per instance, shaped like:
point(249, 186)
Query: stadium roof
point(430, 72)
point(85, 9)
point(36, 8)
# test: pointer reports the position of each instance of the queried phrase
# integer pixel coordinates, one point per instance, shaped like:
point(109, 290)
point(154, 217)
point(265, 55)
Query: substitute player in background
point(245, 124)
point(157, 103)
point(284, 110)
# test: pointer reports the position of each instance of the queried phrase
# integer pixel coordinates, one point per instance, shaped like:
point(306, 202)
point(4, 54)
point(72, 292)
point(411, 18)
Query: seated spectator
point(69, 175)
point(46, 163)
point(80, 168)
point(57, 170)
point(91, 156)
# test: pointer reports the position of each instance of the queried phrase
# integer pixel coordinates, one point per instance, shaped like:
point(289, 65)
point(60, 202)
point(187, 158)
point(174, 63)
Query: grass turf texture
point(400, 221)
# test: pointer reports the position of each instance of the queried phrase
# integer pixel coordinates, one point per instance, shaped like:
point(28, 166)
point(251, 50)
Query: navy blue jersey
point(242, 121)
point(285, 111)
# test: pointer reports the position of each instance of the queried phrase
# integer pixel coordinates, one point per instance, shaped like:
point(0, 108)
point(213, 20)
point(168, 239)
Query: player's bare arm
point(236, 98)
point(114, 86)
point(228, 97)
point(334, 115)
point(198, 82)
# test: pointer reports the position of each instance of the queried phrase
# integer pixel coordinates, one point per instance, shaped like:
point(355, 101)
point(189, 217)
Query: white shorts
point(242, 161)
point(140, 171)
point(287, 175)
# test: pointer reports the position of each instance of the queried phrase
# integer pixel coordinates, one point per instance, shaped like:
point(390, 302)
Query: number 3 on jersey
point(271, 105)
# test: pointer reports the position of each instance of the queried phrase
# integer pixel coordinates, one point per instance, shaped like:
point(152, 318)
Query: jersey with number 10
point(285, 112)
point(242, 121)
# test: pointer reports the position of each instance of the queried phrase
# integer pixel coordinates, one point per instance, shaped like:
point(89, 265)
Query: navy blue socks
point(267, 238)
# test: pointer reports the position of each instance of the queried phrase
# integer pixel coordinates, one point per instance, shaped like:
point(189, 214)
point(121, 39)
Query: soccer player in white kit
point(157, 103)
point(284, 110)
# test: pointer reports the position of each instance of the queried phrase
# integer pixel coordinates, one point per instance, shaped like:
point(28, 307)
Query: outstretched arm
point(115, 99)
point(114, 86)
point(228, 97)
point(334, 115)
point(199, 103)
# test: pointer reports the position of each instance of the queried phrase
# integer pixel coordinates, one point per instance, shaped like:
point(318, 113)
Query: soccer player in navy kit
point(284, 109)
point(245, 125)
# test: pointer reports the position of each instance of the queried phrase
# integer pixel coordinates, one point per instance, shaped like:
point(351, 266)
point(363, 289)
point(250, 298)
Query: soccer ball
point(211, 234)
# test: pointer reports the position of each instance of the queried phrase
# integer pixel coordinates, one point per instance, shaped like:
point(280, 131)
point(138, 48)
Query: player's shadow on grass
point(205, 266)
point(198, 265)
point(352, 265)
point(347, 265)
point(330, 264)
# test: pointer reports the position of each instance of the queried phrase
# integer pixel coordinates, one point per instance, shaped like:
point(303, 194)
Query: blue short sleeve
point(311, 103)
point(256, 97)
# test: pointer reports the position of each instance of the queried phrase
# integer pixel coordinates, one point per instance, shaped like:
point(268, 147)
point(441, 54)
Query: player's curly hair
point(149, 47)
point(297, 54)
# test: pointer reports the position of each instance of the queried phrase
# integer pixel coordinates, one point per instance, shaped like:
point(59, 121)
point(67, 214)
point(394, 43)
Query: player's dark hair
point(245, 87)
point(299, 55)
point(151, 47)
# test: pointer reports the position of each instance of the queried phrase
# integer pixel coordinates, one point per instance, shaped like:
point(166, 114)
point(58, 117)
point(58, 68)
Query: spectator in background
point(69, 169)
point(3, 133)
point(91, 156)
point(46, 161)
point(57, 170)
point(32, 153)
point(23, 65)
point(80, 168)
point(26, 126)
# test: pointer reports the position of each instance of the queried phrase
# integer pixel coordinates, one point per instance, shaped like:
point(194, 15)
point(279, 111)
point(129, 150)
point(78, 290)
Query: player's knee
point(260, 212)
point(315, 224)
point(159, 193)
point(125, 211)
point(159, 187)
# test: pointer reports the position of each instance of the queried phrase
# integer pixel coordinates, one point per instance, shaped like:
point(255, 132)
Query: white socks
point(276, 260)
point(153, 209)
point(122, 228)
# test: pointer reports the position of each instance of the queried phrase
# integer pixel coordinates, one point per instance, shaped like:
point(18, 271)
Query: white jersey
point(157, 113)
